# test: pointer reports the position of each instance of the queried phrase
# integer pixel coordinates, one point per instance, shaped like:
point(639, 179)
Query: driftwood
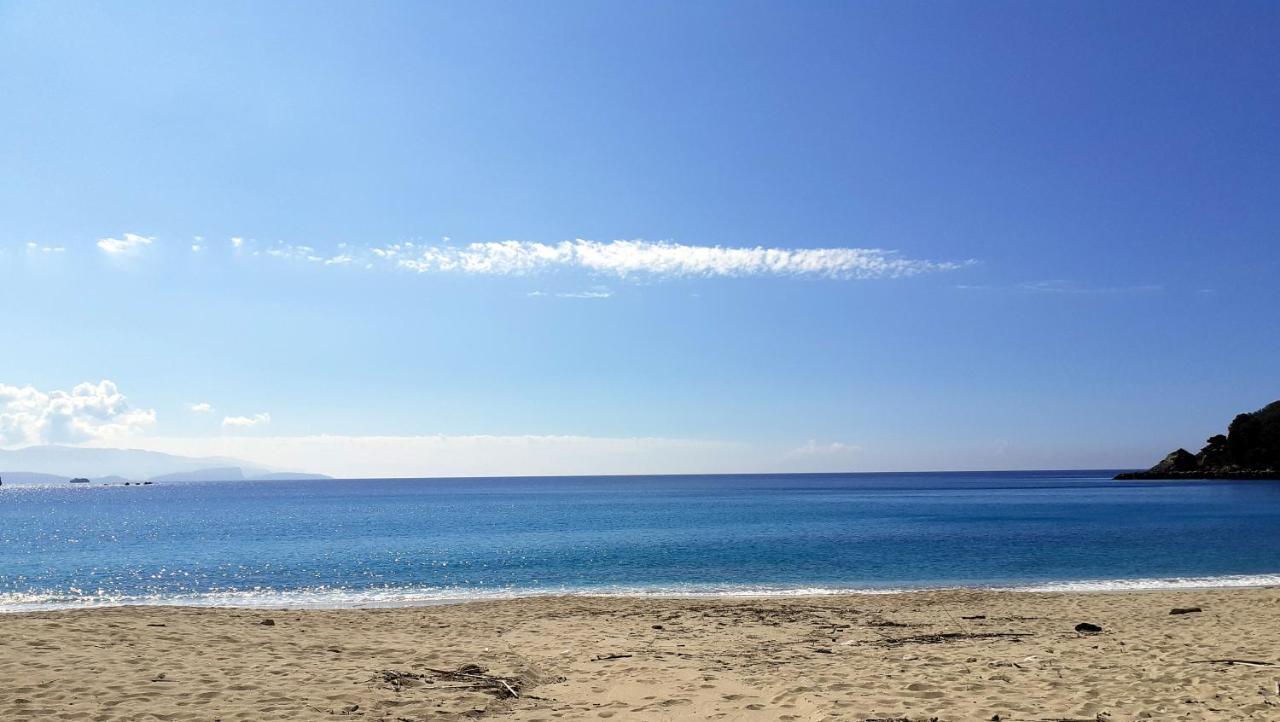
point(944, 637)
point(472, 676)
point(1245, 662)
point(607, 657)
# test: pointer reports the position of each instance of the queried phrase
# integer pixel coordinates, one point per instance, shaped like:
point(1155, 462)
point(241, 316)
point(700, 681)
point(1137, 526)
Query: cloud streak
point(661, 259)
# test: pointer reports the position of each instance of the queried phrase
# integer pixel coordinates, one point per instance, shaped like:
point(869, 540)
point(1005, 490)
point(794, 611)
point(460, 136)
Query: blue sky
point(996, 235)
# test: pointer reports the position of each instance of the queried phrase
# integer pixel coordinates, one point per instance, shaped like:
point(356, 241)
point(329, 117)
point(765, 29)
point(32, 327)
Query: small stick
point(1245, 662)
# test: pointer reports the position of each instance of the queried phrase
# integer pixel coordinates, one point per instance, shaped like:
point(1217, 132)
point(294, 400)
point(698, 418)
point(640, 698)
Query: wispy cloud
point(33, 247)
point(813, 447)
point(622, 259)
point(658, 259)
point(1063, 287)
point(88, 412)
point(594, 293)
point(245, 422)
point(130, 243)
point(204, 407)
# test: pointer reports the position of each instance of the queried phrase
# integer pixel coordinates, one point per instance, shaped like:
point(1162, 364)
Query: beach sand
point(854, 657)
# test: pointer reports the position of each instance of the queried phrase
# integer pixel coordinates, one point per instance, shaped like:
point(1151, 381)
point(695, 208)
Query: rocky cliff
point(1249, 450)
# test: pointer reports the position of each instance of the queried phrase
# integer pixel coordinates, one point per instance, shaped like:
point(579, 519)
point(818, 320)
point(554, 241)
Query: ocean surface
point(416, 541)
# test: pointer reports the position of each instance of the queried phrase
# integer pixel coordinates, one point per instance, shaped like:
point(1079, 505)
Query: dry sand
point(817, 658)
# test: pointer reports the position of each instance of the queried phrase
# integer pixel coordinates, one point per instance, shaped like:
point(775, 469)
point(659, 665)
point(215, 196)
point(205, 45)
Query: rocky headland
point(1249, 450)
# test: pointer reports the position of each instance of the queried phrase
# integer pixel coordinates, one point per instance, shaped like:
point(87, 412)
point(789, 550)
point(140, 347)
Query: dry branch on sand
point(944, 637)
point(472, 676)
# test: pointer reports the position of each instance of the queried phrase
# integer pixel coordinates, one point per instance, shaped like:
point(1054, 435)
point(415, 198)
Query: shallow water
point(406, 541)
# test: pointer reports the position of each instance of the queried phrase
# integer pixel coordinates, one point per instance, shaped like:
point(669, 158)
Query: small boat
point(79, 480)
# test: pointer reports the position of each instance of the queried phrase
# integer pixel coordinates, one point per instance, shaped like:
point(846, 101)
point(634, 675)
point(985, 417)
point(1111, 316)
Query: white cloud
point(244, 422)
point(813, 447)
point(204, 407)
point(131, 243)
point(619, 259)
point(33, 247)
point(597, 292)
point(660, 259)
point(88, 413)
point(1063, 286)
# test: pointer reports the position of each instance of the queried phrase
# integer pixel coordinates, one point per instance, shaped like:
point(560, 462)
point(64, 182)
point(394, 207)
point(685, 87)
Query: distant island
point(1249, 450)
point(52, 464)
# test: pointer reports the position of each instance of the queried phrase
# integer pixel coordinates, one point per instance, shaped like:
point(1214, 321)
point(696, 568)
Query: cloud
point(244, 422)
point(204, 407)
point(1062, 286)
point(658, 259)
point(33, 247)
point(131, 243)
point(813, 447)
point(619, 259)
point(88, 413)
point(595, 293)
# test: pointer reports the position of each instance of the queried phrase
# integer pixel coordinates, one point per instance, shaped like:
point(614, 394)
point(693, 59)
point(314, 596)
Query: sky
point(409, 238)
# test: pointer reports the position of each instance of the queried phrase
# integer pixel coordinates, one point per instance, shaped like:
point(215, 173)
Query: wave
point(1231, 581)
point(338, 598)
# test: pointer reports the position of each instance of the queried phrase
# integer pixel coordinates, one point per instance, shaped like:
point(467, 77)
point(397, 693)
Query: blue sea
point(379, 542)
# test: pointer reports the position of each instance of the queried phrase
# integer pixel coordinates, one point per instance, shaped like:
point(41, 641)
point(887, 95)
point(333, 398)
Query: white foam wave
point(336, 598)
point(1122, 585)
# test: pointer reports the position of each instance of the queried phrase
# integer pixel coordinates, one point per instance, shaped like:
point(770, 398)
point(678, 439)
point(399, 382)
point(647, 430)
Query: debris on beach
point(1185, 610)
point(944, 637)
point(1088, 628)
point(472, 676)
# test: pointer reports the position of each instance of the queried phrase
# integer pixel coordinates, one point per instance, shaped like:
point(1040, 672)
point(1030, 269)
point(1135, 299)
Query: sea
point(394, 542)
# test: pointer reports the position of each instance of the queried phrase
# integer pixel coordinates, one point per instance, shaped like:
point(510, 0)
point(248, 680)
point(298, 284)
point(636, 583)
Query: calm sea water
point(373, 542)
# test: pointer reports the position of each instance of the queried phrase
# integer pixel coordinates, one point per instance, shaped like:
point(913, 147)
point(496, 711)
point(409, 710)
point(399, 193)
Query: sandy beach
point(949, 655)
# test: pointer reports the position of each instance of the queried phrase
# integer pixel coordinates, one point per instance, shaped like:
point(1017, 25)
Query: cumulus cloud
point(130, 243)
point(204, 407)
point(245, 422)
point(87, 413)
point(660, 259)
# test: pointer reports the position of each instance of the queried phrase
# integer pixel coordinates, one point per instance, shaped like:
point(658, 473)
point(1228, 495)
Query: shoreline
point(953, 654)
point(412, 598)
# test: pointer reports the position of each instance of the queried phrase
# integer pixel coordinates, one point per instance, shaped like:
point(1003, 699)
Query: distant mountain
point(1249, 450)
point(57, 464)
point(223, 473)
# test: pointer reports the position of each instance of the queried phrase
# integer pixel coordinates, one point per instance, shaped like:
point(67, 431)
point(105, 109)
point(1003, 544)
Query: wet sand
point(952, 655)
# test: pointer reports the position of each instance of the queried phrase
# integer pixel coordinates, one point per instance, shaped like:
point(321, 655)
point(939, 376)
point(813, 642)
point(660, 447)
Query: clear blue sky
point(1080, 204)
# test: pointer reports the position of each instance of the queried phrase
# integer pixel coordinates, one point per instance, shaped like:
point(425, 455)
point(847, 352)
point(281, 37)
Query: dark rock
point(1180, 460)
point(1185, 610)
point(1087, 628)
point(268, 622)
